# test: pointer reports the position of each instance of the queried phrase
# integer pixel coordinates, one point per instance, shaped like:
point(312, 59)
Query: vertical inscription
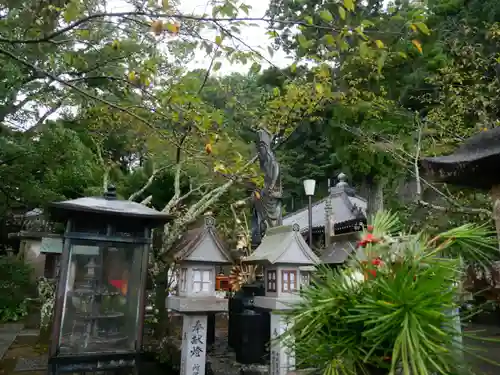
point(197, 336)
point(275, 362)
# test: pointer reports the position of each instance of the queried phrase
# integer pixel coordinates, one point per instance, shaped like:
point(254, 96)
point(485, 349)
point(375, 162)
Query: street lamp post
point(309, 186)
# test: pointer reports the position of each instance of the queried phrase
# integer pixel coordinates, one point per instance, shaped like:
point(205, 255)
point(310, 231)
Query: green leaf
point(329, 40)
point(217, 66)
point(367, 23)
point(342, 13)
point(218, 40)
point(309, 20)
point(326, 15)
point(361, 33)
point(349, 5)
point(319, 88)
point(245, 8)
point(255, 68)
point(423, 28)
point(71, 12)
point(364, 50)
point(381, 61)
point(344, 46)
point(276, 91)
point(293, 68)
point(302, 41)
point(379, 43)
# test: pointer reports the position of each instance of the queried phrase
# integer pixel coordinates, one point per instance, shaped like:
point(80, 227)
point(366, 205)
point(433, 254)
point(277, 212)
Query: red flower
point(377, 262)
point(370, 228)
point(368, 238)
point(373, 273)
point(118, 284)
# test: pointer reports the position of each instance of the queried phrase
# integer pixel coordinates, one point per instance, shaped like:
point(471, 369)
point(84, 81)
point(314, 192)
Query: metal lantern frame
point(102, 222)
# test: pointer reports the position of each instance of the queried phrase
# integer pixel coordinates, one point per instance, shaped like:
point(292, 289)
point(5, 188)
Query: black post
point(310, 222)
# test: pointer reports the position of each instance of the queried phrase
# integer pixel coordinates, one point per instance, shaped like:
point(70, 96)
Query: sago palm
point(392, 310)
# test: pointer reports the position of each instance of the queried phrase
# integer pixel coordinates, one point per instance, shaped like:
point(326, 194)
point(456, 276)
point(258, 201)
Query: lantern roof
point(474, 164)
point(108, 205)
point(283, 245)
point(202, 245)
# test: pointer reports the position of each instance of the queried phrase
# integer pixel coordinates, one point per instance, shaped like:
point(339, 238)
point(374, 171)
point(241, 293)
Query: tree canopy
point(93, 94)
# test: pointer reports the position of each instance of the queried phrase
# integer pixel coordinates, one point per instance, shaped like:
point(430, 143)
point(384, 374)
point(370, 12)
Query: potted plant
point(394, 309)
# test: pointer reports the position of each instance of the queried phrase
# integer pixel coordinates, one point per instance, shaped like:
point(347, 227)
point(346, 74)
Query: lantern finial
point(110, 194)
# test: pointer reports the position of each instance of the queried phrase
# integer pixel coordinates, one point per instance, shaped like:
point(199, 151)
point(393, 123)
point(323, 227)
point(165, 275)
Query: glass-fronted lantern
point(99, 312)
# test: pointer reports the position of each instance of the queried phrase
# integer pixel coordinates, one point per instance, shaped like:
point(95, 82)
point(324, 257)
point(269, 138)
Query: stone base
point(193, 305)
point(274, 303)
point(32, 364)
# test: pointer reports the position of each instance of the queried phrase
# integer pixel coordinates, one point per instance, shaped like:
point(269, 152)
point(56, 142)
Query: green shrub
point(16, 286)
point(393, 310)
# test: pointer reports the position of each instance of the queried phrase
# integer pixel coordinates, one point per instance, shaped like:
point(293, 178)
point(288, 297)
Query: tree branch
point(42, 119)
point(148, 183)
point(174, 201)
point(417, 158)
point(105, 166)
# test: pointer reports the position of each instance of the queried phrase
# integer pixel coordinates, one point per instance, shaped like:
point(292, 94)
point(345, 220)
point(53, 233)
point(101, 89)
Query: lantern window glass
point(305, 278)
point(288, 281)
point(271, 281)
point(102, 297)
point(202, 280)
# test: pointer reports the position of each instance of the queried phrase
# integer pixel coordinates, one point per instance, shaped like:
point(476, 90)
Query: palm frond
point(401, 307)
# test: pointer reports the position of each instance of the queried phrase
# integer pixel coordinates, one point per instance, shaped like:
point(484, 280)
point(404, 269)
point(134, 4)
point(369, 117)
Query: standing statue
point(267, 212)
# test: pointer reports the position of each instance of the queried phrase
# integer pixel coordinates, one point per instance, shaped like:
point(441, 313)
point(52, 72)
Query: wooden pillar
point(329, 223)
point(495, 197)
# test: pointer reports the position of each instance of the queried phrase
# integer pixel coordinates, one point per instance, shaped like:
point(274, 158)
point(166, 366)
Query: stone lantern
point(100, 298)
point(474, 164)
point(287, 261)
point(198, 253)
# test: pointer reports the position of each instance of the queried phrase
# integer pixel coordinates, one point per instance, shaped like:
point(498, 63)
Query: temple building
point(336, 219)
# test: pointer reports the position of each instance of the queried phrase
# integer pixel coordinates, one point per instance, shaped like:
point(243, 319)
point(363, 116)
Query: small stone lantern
point(287, 261)
point(199, 253)
point(100, 298)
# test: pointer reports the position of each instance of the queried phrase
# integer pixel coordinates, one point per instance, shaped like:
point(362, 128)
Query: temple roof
point(346, 206)
point(341, 248)
point(473, 164)
point(202, 244)
point(283, 245)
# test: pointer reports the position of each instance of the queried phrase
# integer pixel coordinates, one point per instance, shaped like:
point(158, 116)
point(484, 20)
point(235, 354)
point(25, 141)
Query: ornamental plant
point(394, 308)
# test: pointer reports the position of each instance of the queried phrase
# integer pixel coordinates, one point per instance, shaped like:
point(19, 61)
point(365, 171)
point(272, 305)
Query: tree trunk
point(375, 198)
point(161, 294)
